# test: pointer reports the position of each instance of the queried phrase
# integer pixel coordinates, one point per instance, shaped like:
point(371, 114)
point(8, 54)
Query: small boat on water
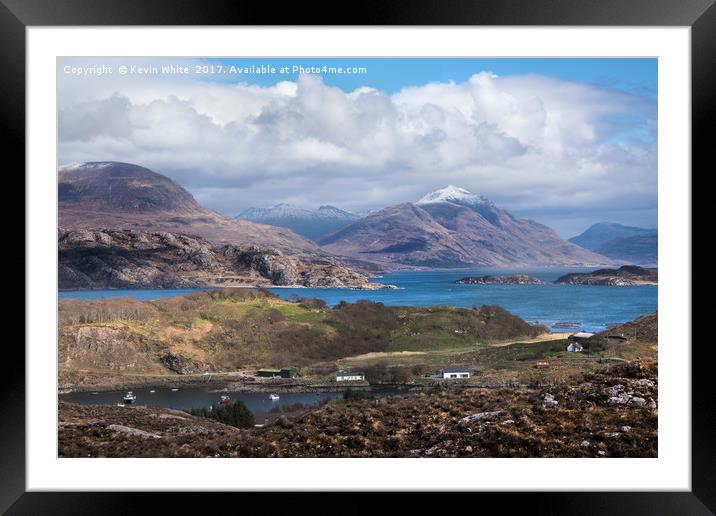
point(274, 397)
point(129, 398)
point(151, 392)
point(224, 400)
point(174, 390)
point(567, 325)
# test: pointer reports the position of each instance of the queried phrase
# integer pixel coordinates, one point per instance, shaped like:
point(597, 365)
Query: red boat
point(224, 400)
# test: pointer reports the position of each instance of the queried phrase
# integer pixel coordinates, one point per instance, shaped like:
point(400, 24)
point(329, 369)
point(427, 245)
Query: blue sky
point(565, 141)
point(632, 75)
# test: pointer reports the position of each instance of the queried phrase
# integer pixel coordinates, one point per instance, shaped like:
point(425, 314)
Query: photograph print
point(357, 257)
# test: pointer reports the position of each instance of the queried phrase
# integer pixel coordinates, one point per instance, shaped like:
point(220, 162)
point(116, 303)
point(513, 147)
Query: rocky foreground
point(518, 279)
point(627, 275)
point(612, 413)
point(120, 259)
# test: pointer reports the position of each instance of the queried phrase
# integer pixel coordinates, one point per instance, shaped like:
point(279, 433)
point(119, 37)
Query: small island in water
point(626, 275)
point(518, 279)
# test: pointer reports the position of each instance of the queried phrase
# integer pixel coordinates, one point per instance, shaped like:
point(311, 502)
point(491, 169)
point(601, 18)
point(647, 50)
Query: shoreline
point(228, 385)
point(220, 287)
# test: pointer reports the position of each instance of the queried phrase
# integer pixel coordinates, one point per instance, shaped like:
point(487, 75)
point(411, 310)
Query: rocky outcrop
point(179, 364)
point(133, 431)
point(278, 269)
point(106, 348)
point(519, 279)
point(627, 275)
point(120, 259)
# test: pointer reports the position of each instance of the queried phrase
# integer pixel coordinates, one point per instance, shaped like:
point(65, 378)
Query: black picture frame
point(700, 15)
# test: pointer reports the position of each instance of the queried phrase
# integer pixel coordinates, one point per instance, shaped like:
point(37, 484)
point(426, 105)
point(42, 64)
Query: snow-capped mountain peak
point(279, 210)
point(285, 210)
point(306, 222)
point(454, 194)
point(337, 213)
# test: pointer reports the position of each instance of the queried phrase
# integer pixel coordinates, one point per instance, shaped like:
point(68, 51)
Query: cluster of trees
point(492, 322)
point(104, 311)
point(363, 326)
point(348, 329)
point(312, 303)
point(238, 294)
point(235, 413)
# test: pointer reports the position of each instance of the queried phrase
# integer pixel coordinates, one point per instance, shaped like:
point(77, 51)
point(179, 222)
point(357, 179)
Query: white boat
point(129, 398)
point(174, 390)
point(273, 397)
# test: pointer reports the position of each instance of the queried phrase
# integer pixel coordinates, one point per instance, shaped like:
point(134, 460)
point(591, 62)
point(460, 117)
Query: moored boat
point(129, 398)
point(570, 325)
point(274, 397)
point(224, 400)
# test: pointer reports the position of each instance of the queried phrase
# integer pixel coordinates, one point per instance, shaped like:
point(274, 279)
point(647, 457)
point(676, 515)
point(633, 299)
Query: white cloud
point(533, 144)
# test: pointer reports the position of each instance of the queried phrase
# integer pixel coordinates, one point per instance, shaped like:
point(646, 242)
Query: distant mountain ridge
point(627, 244)
point(602, 232)
point(452, 227)
point(115, 195)
point(312, 224)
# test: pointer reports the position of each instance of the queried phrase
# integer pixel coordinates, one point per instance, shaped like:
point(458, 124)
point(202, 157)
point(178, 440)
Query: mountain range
point(450, 227)
point(453, 227)
point(626, 244)
point(312, 224)
point(125, 226)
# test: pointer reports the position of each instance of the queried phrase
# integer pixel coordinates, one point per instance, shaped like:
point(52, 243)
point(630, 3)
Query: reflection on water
point(258, 402)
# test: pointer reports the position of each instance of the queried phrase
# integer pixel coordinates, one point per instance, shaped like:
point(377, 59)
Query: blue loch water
point(196, 397)
point(593, 307)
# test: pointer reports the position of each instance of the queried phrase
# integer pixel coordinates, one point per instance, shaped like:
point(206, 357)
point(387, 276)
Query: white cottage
point(576, 341)
point(349, 376)
point(455, 372)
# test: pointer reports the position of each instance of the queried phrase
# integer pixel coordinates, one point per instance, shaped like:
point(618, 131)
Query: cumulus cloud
point(539, 146)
